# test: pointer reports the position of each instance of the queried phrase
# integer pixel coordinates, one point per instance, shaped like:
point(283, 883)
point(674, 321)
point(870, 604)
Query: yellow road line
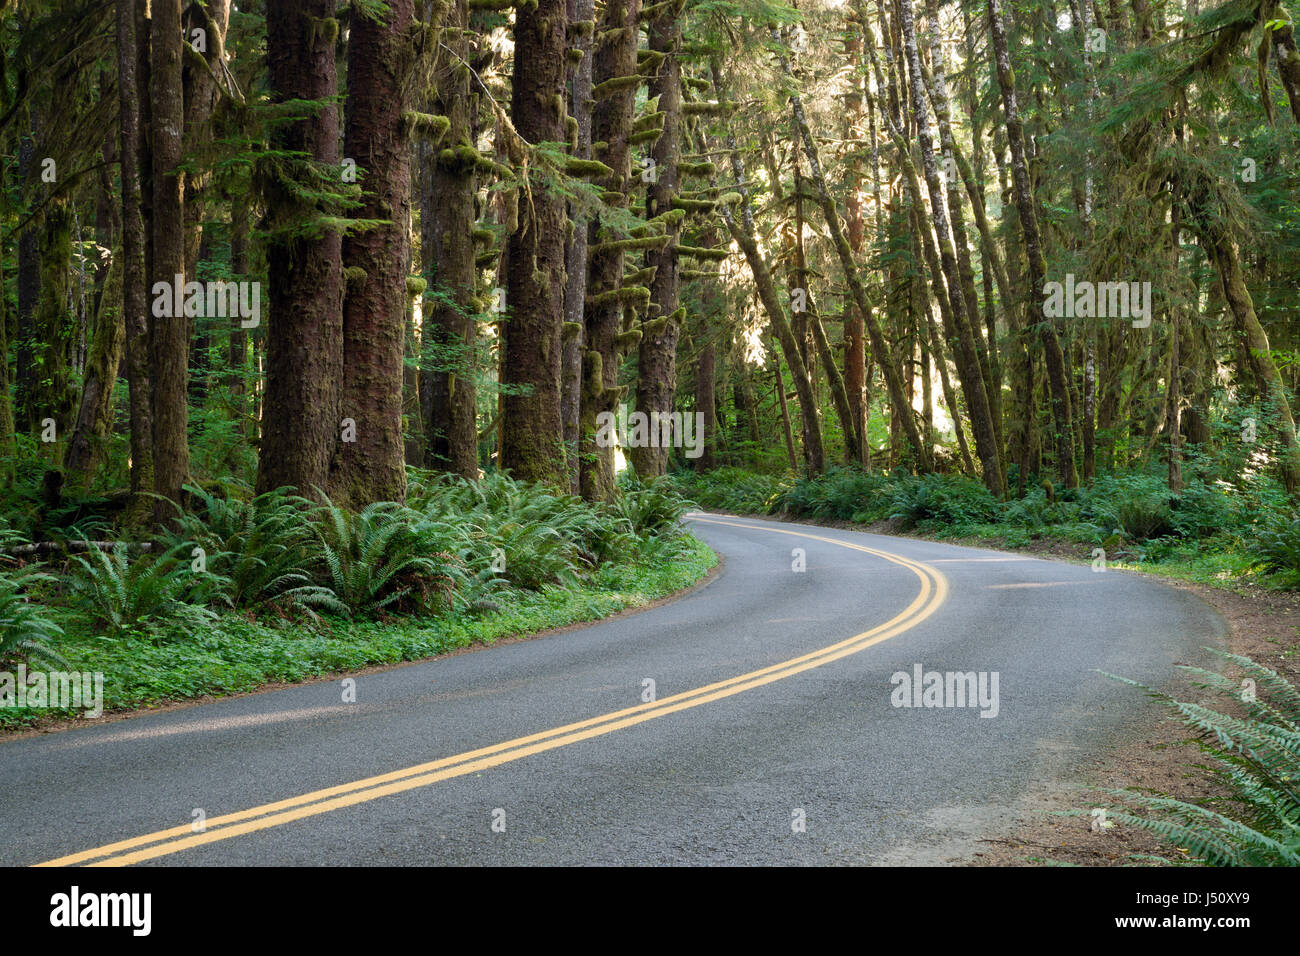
point(934, 589)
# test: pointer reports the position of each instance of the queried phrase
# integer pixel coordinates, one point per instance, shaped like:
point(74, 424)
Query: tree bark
point(1024, 197)
point(532, 436)
point(304, 337)
point(447, 247)
point(657, 350)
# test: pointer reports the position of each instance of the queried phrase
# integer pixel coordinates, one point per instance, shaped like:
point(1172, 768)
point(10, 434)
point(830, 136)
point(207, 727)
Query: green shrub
point(384, 556)
point(25, 626)
point(1276, 545)
point(257, 552)
point(650, 509)
point(1144, 518)
point(731, 489)
point(948, 500)
point(121, 593)
point(840, 493)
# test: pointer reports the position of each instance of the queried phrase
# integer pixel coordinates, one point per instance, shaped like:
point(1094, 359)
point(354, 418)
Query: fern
point(1258, 759)
point(121, 593)
point(25, 626)
point(384, 556)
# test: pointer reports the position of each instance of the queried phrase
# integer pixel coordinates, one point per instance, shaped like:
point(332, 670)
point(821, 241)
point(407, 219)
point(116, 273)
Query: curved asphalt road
point(723, 775)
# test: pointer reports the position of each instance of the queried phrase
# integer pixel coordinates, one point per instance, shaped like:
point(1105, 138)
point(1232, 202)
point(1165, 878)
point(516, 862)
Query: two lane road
point(751, 721)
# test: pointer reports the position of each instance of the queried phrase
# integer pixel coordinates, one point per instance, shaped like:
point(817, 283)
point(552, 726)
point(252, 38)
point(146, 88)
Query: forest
point(325, 319)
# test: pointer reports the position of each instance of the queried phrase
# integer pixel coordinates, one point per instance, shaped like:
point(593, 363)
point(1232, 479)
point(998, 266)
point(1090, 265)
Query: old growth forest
point(314, 313)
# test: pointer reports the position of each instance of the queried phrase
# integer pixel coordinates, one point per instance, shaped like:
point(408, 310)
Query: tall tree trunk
point(582, 26)
point(657, 351)
point(614, 73)
point(135, 302)
point(447, 246)
point(87, 447)
point(706, 403)
point(377, 260)
point(743, 234)
point(961, 294)
point(169, 335)
point(1024, 197)
point(1226, 257)
point(855, 355)
point(532, 436)
point(304, 338)
point(879, 347)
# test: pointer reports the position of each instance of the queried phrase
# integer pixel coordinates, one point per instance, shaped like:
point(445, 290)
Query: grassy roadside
point(238, 653)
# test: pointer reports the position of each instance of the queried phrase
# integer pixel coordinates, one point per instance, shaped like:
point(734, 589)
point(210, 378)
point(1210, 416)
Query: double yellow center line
point(934, 589)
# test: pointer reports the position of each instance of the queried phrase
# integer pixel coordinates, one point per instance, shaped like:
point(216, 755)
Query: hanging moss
point(634, 293)
point(647, 61)
point(707, 109)
point(654, 120)
point(697, 169)
point(429, 125)
point(615, 84)
point(696, 252)
point(586, 167)
point(693, 205)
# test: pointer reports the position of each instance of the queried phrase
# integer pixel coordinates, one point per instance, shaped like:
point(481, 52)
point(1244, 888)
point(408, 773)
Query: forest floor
point(1161, 757)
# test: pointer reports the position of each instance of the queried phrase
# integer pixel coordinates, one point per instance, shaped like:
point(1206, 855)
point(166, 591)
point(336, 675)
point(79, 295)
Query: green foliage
point(383, 556)
point(258, 552)
point(945, 500)
point(120, 593)
point(1258, 760)
point(650, 509)
point(842, 493)
point(1276, 545)
point(1144, 518)
point(1134, 516)
point(731, 489)
point(26, 628)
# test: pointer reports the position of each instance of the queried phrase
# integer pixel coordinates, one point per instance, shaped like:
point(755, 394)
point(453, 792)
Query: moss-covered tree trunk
point(581, 29)
point(135, 299)
point(29, 290)
point(87, 447)
point(1259, 360)
point(376, 260)
point(447, 247)
point(304, 335)
point(532, 438)
point(53, 325)
point(1023, 193)
point(656, 384)
point(614, 74)
point(169, 332)
point(857, 290)
point(960, 289)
